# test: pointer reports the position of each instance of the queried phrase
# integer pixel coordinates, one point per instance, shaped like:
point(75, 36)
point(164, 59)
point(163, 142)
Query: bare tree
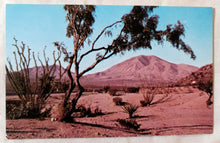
point(139, 29)
point(33, 94)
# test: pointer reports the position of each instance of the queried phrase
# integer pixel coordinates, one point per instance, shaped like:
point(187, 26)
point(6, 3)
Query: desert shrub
point(61, 87)
point(99, 90)
point(148, 95)
point(132, 89)
point(59, 111)
point(98, 112)
point(208, 88)
point(13, 110)
point(87, 112)
point(130, 109)
point(32, 93)
point(106, 88)
point(148, 99)
point(84, 111)
point(16, 110)
point(129, 123)
point(118, 101)
point(112, 92)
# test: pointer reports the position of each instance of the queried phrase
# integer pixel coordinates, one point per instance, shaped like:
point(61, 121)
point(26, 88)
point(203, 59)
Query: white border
point(210, 138)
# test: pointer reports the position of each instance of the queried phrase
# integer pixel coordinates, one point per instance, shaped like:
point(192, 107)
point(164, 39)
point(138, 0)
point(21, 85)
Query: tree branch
point(91, 50)
point(94, 42)
point(97, 61)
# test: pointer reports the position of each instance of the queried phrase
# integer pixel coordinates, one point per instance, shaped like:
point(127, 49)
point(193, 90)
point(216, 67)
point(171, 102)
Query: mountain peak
point(145, 57)
point(150, 68)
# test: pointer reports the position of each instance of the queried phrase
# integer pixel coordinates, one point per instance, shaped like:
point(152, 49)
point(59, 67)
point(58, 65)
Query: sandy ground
point(181, 112)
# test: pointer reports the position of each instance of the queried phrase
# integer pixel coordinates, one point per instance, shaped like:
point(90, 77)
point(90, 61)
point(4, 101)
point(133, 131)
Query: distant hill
point(56, 71)
point(32, 75)
point(137, 71)
point(203, 74)
point(141, 71)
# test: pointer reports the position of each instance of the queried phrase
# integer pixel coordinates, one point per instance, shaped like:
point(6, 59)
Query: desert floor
point(183, 111)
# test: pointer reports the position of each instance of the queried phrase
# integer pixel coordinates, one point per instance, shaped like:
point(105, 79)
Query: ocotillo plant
point(33, 94)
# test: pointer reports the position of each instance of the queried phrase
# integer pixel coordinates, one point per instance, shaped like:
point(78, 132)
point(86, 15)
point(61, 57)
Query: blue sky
point(40, 25)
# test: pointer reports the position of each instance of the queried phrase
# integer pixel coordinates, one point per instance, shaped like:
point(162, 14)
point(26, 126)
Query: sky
point(41, 25)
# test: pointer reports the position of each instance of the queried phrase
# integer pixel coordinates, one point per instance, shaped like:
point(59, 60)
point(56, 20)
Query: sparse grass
point(130, 109)
point(129, 123)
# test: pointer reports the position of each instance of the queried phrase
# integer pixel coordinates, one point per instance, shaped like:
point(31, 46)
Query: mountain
point(137, 71)
point(32, 75)
point(203, 74)
point(141, 70)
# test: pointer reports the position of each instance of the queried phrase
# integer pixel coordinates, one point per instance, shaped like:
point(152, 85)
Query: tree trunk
point(67, 116)
point(71, 85)
point(77, 96)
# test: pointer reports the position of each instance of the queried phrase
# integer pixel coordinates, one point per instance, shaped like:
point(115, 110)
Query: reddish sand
point(184, 111)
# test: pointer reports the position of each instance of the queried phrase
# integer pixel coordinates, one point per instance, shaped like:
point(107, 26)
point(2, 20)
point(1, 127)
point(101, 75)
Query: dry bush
point(148, 97)
point(61, 87)
point(32, 94)
point(84, 112)
point(118, 101)
point(113, 92)
point(129, 123)
point(87, 112)
point(207, 86)
point(59, 111)
point(106, 88)
point(132, 89)
point(130, 109)
point(16, 110)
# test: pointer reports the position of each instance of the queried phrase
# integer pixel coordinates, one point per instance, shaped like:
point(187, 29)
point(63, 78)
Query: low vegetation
point(87, 111)
point(113, 92)
point(118, 101)
point(132, 89)
point(32, 94)
point(129, 123)
point(16, 110)
point(106, 88)
point(207, 86)
point(130, 109)
point(148, 97)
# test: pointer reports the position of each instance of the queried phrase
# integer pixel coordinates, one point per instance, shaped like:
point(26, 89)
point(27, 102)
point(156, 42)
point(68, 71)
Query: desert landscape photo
point(80, 71)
